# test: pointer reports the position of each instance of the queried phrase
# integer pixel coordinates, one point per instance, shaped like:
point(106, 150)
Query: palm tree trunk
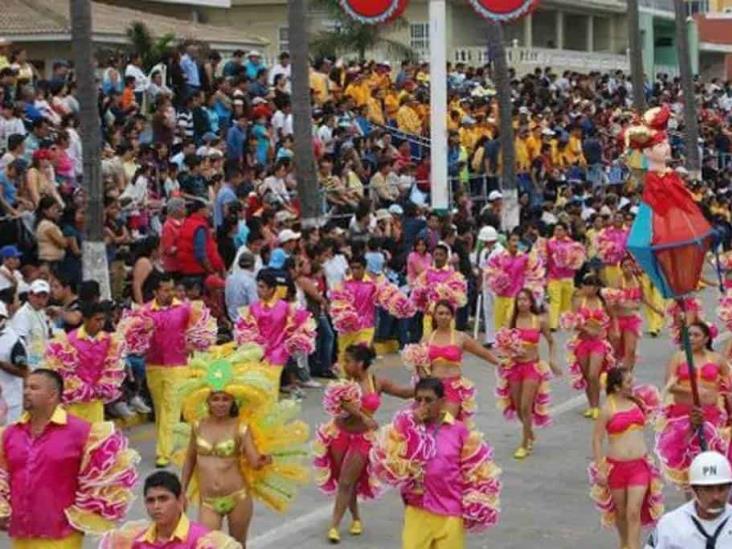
point(691, 124)
point(636, 57)
point(94, 252)
point(505, 125)
point(307, 183)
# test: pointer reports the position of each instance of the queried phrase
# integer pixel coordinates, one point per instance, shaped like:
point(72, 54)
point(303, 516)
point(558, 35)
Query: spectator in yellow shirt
point(375, 110)
point(574, 153)
point(523, 159)
point(358, 90)
point(320, 83)
point(408, 121)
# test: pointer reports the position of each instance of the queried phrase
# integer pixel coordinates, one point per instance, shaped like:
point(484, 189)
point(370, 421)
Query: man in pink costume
point(170, 528)
point(611, 248)
point(60, 476)
point(90, 362)
point(449, 482)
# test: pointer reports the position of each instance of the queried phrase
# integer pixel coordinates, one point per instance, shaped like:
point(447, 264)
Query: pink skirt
point(581, 348)
point(630, 323)
point(460, 390)
point(517, 372)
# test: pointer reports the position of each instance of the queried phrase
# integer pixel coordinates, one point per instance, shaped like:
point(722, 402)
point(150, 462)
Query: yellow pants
point(365, 336)
point(502, 311)
point(164, 383)
point(74, 541)
point(611, 275)
point(560, 299)
point(92, 411)
point(654, 321)
point(425, 530)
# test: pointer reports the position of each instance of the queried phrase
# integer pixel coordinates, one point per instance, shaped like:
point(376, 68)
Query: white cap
point(488, 234)
point(40, 286)
point(495, 195)
point(3, 310)
point(259, 101)
point(382, 213)
point(547, 132)
point(286, 235)
point(396, 209)
point(523, 110)
point(710, 469)
point(254, 53)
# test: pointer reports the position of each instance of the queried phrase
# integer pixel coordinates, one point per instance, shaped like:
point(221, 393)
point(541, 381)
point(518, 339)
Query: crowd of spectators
point(199, 179)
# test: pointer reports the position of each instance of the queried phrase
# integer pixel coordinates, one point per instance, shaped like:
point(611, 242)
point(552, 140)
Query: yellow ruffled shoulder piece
point(124, 536)
point(277, 433)
point(217, 540)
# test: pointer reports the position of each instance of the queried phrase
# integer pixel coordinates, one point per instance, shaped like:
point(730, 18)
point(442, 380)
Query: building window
point(696, 6)
point(283, 39)
point(419, 36)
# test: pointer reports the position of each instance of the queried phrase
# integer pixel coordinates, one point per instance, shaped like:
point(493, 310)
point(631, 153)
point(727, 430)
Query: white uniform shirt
point(12, 386)
point(35, 329)
point(676, 530)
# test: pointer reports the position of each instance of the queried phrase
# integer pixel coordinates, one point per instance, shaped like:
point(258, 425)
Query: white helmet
point(709, 469)
point(488, 234)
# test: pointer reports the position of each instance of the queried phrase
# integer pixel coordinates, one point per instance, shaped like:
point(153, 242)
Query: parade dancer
point(626, 483)
point(440, 355)
point(625, 300)
point(170, 528)
point(243, 444)
point(439, 282)
point(165, 331)
point(523, 379)
point(611, 249)
point(564, 257)
point(90, 362)
point(677, 442)
point(279, 327)
point(341, 446)
point(353, 305)
point(446, 473)
point(60, 476)
point(508, 272)
point(590, 354)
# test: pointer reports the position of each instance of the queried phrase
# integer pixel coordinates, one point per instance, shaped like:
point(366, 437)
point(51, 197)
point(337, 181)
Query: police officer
point(705, 522)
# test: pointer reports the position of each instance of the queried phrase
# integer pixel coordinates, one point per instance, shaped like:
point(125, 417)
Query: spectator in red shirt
point(176, 209)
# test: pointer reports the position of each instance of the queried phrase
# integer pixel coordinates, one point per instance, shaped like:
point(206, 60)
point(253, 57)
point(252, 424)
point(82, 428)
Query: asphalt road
point(545, 498)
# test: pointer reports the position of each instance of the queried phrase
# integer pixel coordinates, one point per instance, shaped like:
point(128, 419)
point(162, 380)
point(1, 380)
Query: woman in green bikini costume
point(241, 442)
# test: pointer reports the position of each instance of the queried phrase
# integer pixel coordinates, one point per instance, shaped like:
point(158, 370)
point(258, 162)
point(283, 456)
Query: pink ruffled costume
point(458, 389)
point(435, 284)
point(331, 439)
point(623, 474)
point(631, 323)
point(445, 469)
point(74, 477)
point(676, 443)
point(513, 372)
point(582, 345)
point(279, 327)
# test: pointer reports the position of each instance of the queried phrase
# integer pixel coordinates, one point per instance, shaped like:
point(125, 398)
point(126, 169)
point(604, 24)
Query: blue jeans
point(324, 346)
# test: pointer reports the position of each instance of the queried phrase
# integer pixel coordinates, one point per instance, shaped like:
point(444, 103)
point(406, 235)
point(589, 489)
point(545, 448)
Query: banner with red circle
point(374, 11)
point(503, 10)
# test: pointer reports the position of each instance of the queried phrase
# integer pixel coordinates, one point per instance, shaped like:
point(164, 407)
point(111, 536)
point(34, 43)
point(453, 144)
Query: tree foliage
point(152, 50)
point(350, 36)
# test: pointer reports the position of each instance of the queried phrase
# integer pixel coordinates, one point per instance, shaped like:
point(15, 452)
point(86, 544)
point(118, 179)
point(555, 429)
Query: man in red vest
point(198, 255)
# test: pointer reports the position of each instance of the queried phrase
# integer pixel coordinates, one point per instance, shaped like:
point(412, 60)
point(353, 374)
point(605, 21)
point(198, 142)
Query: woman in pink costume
point(626, 483)
point(590, 353)
point(611, 248)
point(625, 300)
point(677, 443)
point(353, 305)
point(564, 257)
point(341, 447)
point(440, 355)
point(508, 272)
point(523, 379)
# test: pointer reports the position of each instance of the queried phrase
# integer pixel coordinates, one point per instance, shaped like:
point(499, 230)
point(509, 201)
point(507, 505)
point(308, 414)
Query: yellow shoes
point(520, 453)
point(356, 528)
point(588, 413)
point(592, 413)
point(334, 536)
point(595, 413)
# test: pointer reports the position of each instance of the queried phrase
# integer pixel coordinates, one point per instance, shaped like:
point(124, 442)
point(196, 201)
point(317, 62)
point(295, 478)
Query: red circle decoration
point(503, 10)
point(374, 11)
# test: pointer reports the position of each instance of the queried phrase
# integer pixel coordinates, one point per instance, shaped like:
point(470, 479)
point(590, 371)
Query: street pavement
point(545, 498)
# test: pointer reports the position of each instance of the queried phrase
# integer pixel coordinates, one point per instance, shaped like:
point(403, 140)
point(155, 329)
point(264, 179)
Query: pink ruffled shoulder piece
point(202, 330)
point(401, 450)
point(481, 484)
point(343, 311)
point(246, 329)
point(339, 392)
point(416, 355)
point(300, 332)
point(393, 300)
point(106, 478)
point(136, 327)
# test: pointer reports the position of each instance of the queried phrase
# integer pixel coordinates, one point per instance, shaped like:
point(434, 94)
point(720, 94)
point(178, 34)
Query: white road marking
point(324, 511)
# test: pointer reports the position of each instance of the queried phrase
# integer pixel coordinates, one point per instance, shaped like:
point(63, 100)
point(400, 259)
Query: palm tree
point(307, 182)
point(94, 250)
point(691, 124)
point(505, 124)
point(636, 57)
point(350, 36)
point(152, 50)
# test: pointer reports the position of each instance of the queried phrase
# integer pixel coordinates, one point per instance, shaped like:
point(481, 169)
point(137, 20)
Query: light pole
point(439, 189)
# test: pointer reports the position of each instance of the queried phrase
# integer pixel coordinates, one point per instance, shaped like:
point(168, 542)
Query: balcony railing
point(524, 60)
